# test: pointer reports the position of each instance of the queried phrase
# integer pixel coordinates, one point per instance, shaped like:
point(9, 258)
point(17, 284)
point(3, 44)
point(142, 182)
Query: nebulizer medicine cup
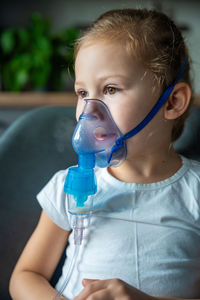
point(79, 216)
point(79, 210)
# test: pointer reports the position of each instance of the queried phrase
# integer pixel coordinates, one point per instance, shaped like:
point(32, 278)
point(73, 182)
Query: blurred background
point(36, 70)
point(36, 47)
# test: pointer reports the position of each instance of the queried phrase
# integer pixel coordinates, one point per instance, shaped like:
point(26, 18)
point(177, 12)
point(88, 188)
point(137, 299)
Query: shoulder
point(52, 199)
point(59, 177)
point(193, 170)
point(55, 186)
point(192, 179)
point(189, 185)
point(195, 167)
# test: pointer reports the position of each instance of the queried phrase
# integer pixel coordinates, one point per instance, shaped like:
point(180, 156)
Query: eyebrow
point(111, 77)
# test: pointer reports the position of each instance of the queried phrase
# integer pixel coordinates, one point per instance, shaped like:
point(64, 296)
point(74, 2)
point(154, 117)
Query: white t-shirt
point(147, 235)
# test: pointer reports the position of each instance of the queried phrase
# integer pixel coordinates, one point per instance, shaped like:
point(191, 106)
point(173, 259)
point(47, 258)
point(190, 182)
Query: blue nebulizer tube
point(98, 141)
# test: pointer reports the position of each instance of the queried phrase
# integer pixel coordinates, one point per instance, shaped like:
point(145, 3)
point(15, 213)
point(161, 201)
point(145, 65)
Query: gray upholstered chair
point(32, 149)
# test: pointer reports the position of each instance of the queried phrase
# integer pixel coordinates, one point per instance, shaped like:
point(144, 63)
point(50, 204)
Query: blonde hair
point(151, 37)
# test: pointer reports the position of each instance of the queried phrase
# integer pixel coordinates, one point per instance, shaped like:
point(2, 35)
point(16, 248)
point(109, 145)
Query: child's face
point(105, 71)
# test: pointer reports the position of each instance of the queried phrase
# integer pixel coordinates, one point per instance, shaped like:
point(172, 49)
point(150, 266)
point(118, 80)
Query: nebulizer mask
point(96, 133)
point(93, 139)
point(98, 142)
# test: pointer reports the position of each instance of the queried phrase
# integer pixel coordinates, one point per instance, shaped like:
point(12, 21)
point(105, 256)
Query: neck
point(148, 168)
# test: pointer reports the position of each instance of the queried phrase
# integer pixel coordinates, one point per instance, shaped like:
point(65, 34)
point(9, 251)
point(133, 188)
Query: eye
point(82, 93)
point(110, 90)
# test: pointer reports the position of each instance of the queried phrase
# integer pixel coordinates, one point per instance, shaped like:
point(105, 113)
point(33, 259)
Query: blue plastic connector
point(81, 181)
point(86, 161)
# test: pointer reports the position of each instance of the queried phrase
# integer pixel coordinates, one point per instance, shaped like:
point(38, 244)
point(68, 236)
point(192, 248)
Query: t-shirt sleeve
point(53, 200)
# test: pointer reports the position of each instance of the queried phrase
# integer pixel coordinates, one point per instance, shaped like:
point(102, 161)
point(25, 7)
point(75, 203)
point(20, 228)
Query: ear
point(178, 101)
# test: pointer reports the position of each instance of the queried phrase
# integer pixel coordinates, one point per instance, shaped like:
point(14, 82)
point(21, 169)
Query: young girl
point(144, 238)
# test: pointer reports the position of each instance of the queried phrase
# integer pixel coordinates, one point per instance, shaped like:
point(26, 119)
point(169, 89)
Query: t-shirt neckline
point(148, 186)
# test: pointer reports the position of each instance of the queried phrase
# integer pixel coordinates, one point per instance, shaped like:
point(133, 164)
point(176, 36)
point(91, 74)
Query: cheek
point(125, 118)
point(122, 119)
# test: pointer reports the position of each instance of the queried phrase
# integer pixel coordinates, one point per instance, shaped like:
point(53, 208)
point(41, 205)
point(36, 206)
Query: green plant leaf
point(42, 46)
point(39, 25)
point(12, 80)
point(34, 57)
point(23, 37)
point(22, 77)
point(68, 36)
point(39, 76)
point(7, 41)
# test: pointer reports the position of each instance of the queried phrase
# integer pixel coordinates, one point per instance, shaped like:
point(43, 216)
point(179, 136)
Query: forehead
point(104, 55)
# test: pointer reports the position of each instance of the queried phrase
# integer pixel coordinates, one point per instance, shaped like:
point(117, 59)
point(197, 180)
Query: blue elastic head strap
point(163, 98)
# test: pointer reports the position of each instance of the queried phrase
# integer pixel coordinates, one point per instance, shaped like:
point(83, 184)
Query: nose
point(94, 108)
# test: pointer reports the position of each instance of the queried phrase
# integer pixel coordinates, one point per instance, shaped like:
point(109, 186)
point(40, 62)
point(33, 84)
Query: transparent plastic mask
point(96, 132)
